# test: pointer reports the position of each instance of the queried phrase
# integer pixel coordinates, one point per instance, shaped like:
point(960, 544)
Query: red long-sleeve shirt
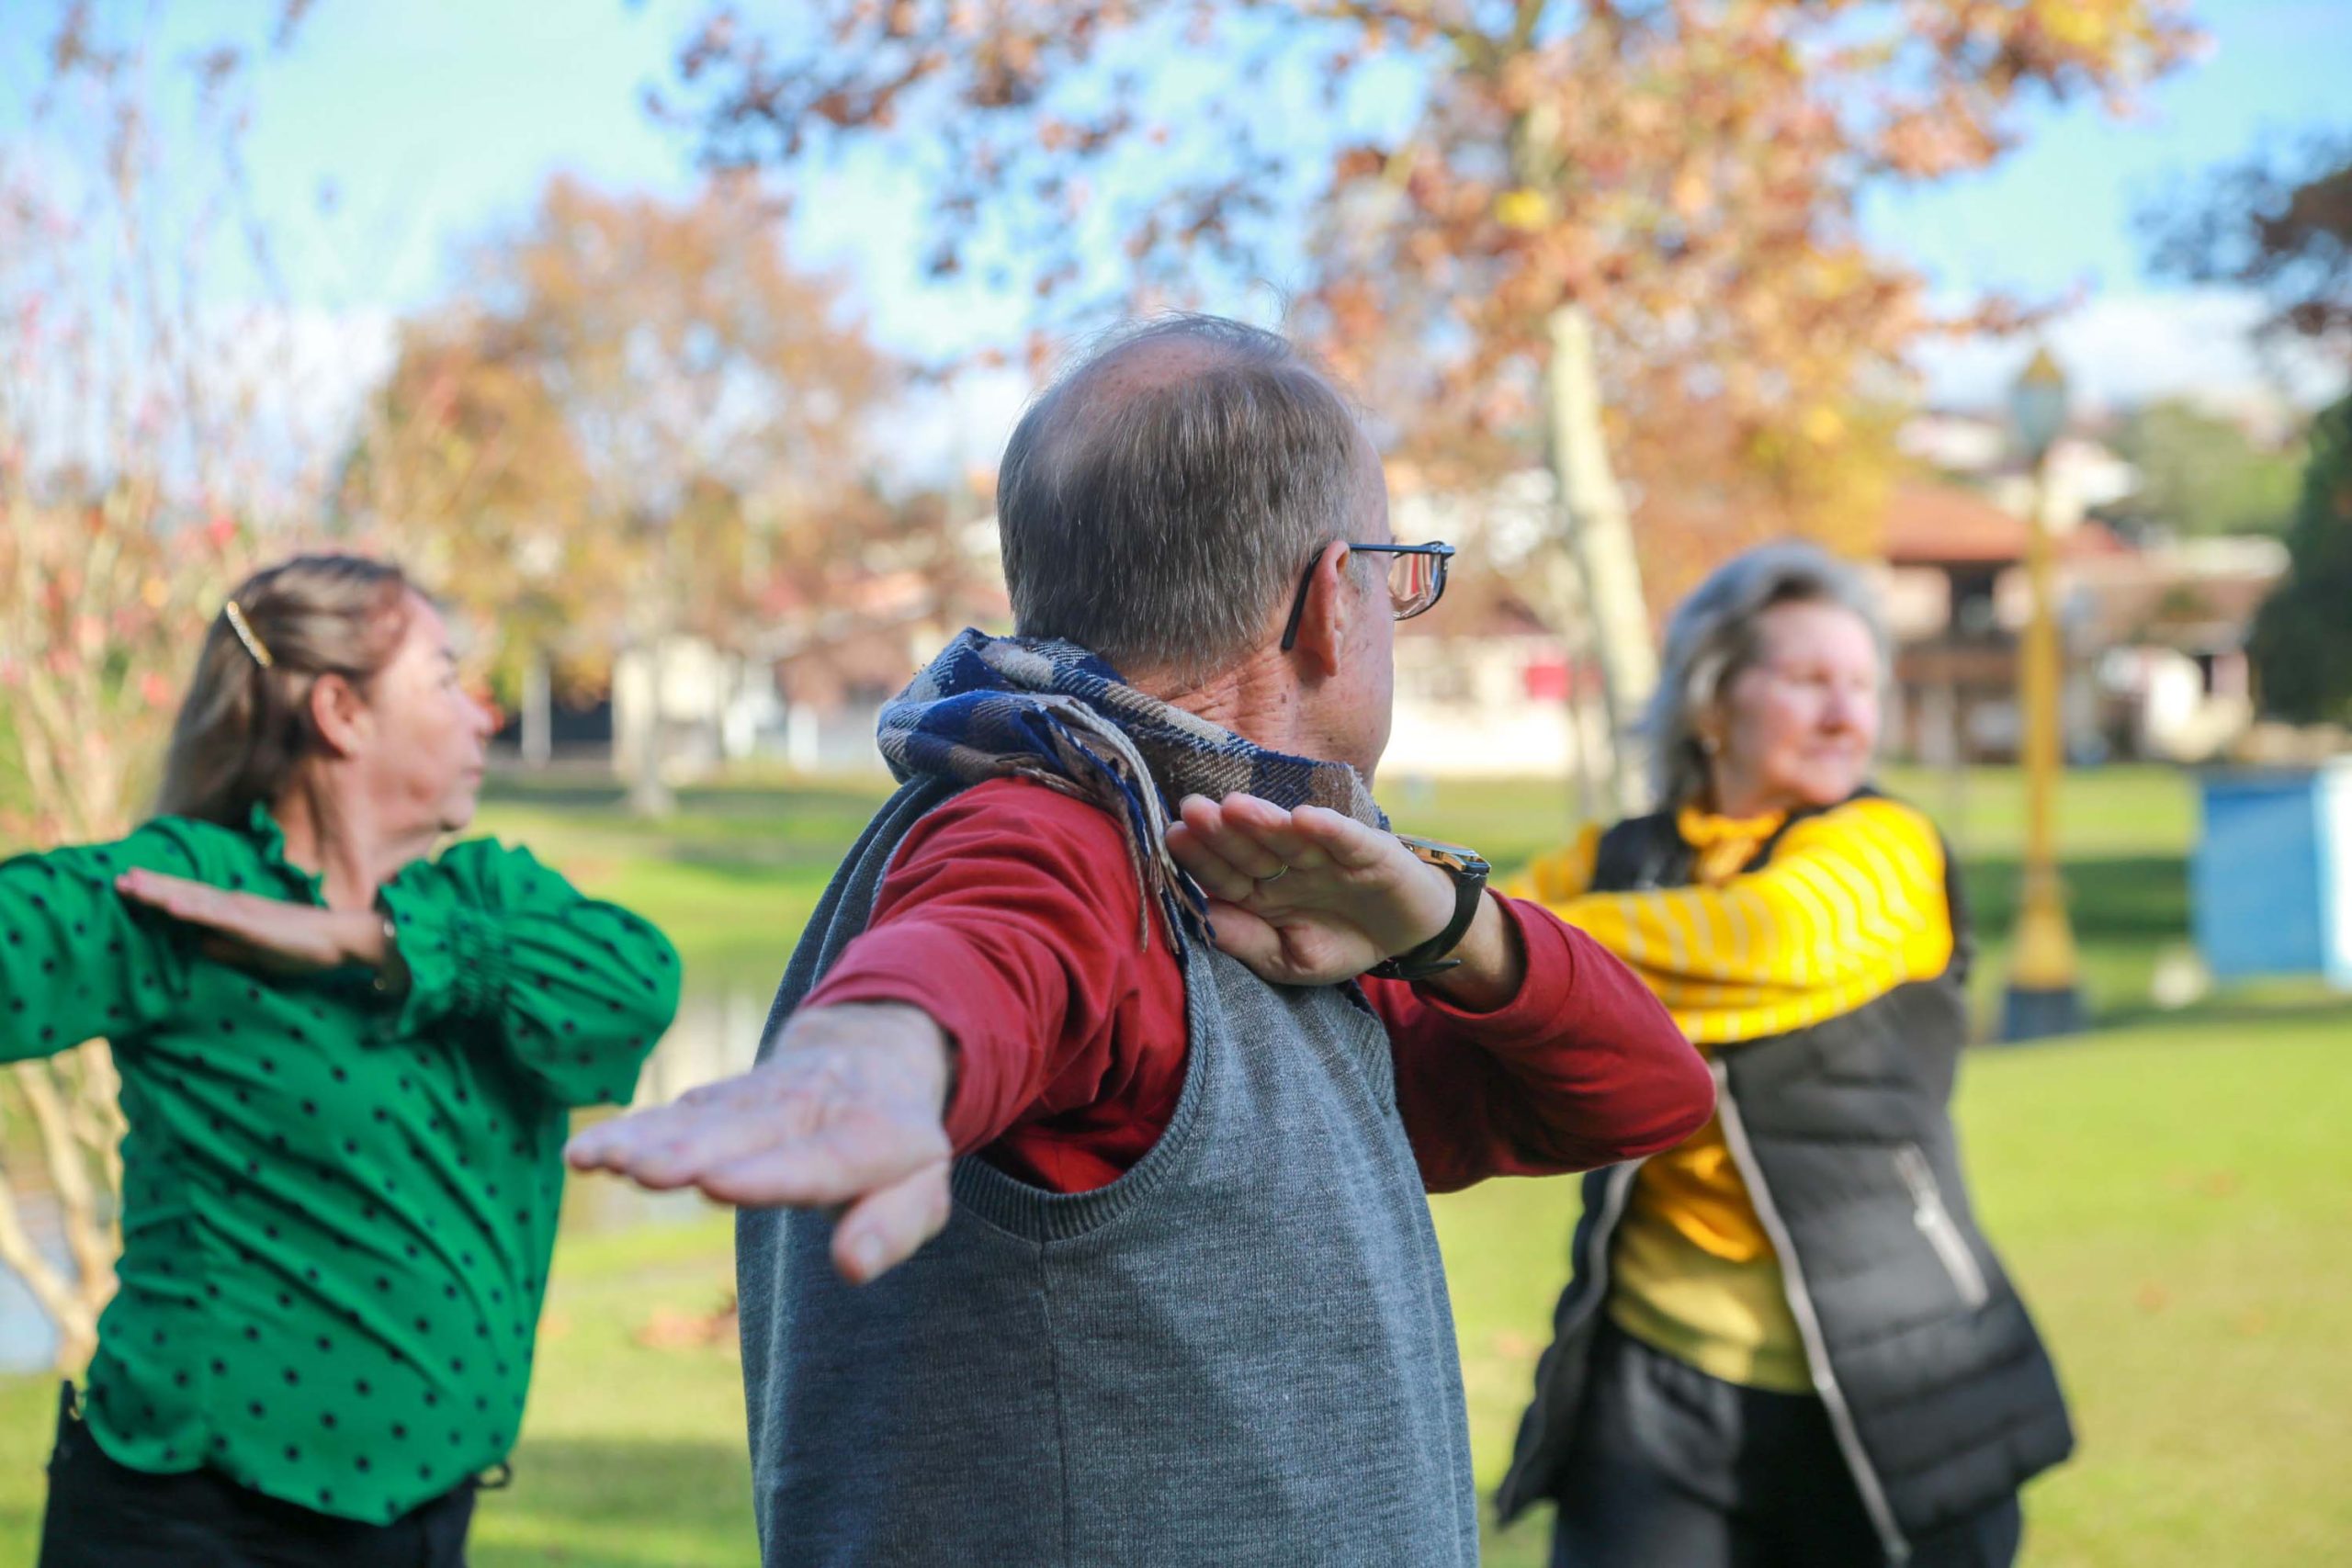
point(1009, 915)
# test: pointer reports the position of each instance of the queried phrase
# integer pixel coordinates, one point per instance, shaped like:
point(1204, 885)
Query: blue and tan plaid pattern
point(1049, 710)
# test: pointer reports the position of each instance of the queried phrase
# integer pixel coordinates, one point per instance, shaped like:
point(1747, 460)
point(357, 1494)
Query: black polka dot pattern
point(342, 1204)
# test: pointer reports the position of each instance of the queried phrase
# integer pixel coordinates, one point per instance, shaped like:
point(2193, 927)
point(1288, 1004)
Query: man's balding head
point(1160, 500)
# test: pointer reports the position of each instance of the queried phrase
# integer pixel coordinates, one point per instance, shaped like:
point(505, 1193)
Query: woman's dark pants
point(1675, 1468)
point(105, 1514)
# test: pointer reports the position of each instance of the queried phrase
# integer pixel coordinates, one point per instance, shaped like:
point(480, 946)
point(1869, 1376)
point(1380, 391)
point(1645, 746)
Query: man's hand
point(267, 934)
point(1313, 897)
point(844, 1112)
point(1310, 896)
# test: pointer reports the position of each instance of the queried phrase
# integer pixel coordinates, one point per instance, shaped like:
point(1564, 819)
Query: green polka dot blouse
point(338, 1205)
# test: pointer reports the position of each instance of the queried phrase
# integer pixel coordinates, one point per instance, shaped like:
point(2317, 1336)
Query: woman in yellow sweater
point(1785, 1342)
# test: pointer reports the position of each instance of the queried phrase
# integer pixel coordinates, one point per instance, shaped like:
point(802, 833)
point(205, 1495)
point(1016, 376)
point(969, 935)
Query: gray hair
point(1160, 524)
point(1712, 637)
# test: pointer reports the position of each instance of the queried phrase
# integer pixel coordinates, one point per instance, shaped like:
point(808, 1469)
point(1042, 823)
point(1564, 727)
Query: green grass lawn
point(2173, 1200)
point(2172, 1193)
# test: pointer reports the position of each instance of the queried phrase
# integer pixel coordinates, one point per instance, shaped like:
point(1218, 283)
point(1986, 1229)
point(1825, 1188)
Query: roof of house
point(1941, 524)
point(2163, 604)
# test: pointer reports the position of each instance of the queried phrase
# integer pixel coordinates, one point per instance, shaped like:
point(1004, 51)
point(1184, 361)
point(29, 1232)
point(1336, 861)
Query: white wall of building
point(1470, 708)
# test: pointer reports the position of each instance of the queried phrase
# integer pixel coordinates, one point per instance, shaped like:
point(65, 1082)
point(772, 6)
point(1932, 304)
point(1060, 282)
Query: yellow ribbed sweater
point(1850, 905)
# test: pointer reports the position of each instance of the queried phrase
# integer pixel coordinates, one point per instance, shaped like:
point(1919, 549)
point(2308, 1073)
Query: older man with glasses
point(1112, 1069)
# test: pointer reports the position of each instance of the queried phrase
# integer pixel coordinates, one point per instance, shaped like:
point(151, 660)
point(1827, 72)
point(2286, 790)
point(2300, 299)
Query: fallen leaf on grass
point(672, 1329)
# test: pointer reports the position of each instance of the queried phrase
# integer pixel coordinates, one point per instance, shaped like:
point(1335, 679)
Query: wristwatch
point(1469, 871)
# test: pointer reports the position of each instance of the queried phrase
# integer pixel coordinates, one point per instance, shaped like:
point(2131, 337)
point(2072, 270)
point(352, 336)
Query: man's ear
point(1329, 615)
point(338, 713)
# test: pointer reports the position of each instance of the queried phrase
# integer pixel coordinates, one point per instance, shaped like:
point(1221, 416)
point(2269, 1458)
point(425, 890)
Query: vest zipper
point(1936, 1223)
point(1817, 1350)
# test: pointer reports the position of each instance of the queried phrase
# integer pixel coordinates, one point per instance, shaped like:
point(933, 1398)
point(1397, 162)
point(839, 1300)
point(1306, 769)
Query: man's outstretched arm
point(1539, 1052)
point(998, 980)
point(1581, 1068)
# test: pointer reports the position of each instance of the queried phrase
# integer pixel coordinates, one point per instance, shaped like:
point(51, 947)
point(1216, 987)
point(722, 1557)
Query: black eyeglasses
point(1416, 582)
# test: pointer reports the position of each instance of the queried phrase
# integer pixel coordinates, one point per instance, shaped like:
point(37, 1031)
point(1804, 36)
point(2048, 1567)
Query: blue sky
point(435, 122)
point(2057, 214)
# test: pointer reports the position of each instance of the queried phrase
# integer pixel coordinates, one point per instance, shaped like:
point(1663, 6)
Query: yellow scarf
point(1724, 843)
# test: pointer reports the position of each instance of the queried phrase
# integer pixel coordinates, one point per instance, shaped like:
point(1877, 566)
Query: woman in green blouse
point(347, 1069)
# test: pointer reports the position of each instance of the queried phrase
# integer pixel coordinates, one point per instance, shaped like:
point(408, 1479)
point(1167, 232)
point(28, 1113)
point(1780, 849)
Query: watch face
point(1453, 857)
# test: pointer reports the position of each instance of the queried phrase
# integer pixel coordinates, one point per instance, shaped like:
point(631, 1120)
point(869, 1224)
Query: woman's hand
point(1310, 896)
point(268, 934)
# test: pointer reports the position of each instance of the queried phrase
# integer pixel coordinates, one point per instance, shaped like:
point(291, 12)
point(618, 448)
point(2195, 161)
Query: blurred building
point(802, 687)
point(1978, 452)
point(805, 695)
point(1491, 693)
point(2154, 635)
point(1485, 687)
point(1956, 600)
point(2166, 631)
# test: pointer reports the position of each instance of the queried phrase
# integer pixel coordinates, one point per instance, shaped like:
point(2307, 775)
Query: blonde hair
point(246, 722)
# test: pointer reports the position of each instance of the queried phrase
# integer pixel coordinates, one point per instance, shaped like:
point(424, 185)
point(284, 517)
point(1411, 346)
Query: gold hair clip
point(253, 644)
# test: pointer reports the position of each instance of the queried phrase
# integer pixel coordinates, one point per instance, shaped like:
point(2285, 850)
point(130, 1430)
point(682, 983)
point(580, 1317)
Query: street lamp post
point(2044, 996)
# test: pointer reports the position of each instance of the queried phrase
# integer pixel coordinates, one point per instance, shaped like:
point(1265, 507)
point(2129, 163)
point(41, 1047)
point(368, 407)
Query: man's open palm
point(843, 1113)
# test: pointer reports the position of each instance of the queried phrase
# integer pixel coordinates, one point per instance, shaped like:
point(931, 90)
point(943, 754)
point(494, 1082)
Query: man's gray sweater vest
point(1239, 1352)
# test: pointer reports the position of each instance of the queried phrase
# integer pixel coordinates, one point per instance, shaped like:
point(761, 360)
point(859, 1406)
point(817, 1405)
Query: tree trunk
point(1601, 543)
point(71, 1144)
point(1566, 604)
point(637, 730)
point(802, 738)
point(539, 713)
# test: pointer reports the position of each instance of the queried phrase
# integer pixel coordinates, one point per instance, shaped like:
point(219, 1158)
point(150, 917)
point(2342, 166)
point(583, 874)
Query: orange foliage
point(1687, 174)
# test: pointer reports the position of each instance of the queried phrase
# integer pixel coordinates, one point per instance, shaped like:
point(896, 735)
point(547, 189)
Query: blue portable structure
point(2271, 884)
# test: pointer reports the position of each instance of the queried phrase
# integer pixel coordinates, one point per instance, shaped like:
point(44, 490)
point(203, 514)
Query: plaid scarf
point(1049, 710)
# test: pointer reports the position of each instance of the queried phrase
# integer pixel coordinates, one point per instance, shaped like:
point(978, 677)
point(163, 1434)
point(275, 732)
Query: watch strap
point(1435, 955)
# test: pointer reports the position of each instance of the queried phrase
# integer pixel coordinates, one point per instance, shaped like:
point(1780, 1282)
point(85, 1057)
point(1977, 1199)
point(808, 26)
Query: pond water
point(716, 1035)
point(27, 1341)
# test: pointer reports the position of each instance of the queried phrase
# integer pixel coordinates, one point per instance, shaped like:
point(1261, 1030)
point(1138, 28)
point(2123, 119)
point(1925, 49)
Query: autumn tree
point(143, 440)
point(647, 410)
point(2277, 222)
point(464, 468)
point(1486, 184)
